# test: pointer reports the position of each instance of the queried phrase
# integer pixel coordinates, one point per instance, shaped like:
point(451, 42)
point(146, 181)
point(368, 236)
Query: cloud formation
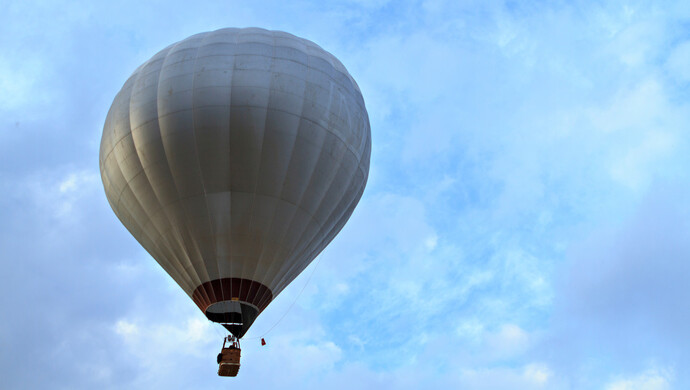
point(525, 223)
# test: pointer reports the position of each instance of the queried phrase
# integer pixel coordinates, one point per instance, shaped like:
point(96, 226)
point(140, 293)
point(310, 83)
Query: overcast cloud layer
point(526, 224)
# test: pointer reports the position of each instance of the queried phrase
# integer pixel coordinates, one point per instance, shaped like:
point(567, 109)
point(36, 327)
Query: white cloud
point(641, 106)
point(502, 133)
point(59, 197)
point(471, 330)
point(530, 376)
point(634, 44)
point(152, 341)
point(431, 242)
point(643, 130)
point(508, 342)
point(635, 167)
point(537, 373)
point(649, 380)
point(126, 329)
point(74, 187)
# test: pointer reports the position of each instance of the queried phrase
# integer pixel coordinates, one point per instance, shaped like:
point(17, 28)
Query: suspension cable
point(291, 305)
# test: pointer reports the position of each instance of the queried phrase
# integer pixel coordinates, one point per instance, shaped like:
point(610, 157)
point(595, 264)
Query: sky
point(526, 224)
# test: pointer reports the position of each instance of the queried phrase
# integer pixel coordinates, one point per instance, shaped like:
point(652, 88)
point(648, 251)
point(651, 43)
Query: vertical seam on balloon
point(326, 239)
point(318, 248)
point(216, 243)
point(113, 142)
point(143, 171)
point(160, 251)
point(319, 233)
point(173, 242)
point(184, 237)
point(256, 181)
point(229, 170)
point(198, 159)
point(261, 254)
point(322, 150)
point(291, 256)
point(261, 148)
point(230, 257)
point(291, 264)
point(287, 170)
point(232, 77)
point(169, 256)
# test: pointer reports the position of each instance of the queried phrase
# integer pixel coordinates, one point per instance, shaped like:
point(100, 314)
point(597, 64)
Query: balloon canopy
point(234, 157)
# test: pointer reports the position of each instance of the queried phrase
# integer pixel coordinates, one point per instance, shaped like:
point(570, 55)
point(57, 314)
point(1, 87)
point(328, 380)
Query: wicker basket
point(229, 364)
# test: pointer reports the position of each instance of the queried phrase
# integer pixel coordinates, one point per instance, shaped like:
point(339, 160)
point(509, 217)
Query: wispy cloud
point(525, 223)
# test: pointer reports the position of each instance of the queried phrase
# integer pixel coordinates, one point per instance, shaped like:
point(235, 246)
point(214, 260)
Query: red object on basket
point(263, 342)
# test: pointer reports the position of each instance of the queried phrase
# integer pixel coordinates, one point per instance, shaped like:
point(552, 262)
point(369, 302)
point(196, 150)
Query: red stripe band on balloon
point(232, 289)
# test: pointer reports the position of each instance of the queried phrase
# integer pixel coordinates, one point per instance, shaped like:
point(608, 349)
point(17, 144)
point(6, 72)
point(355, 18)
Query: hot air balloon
point(234, 157)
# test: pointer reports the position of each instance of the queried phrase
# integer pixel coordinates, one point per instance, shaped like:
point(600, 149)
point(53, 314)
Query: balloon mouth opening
point(232, 302)
point(235, 316)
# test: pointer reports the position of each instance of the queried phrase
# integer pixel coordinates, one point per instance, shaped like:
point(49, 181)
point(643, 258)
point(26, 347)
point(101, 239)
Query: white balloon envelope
point(234, 157)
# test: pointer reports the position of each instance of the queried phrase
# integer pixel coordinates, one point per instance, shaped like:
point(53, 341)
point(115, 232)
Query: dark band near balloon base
point(232, 289)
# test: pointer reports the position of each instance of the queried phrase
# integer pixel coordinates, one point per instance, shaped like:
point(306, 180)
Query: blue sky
point(526, 223)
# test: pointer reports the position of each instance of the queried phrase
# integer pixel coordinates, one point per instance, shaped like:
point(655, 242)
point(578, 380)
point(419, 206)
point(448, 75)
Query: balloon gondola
point(229, 357)
point(234, 157)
